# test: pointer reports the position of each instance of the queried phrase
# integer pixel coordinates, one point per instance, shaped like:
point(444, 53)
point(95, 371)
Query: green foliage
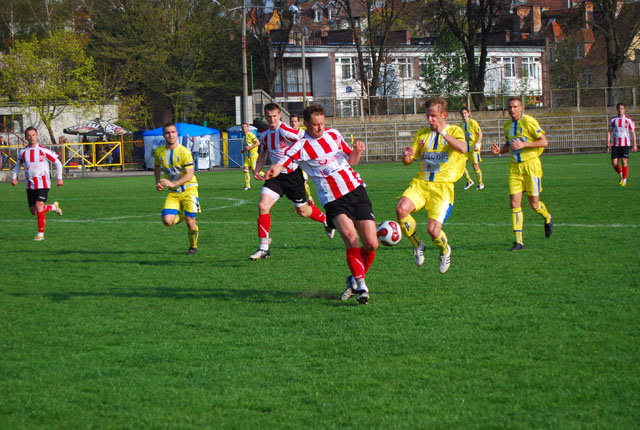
point(49, 74)
point(445, 70)
point(107, 324)
point(567, 66)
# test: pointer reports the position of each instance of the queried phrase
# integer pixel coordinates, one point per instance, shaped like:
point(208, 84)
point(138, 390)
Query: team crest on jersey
point(41, 158)
point(283, 145)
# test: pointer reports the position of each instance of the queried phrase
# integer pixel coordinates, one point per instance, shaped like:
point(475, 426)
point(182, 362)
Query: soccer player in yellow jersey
point(473, 137)
point(182, 202)
point(440, 148)
point(250, 144)
point(526, 141)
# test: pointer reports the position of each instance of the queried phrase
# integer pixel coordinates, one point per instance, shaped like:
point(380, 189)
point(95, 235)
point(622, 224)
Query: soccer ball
point(389, 233)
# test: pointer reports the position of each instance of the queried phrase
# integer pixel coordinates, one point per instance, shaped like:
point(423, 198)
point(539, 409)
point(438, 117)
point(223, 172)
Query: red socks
point(367, 258)
point(48, 208)
point(42, 220)
point(264, 225)
point(317, 214)
point(625, 172)
point(355, 263)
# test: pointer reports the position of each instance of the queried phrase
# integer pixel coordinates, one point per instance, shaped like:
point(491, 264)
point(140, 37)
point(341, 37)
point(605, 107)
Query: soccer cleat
point(259, 254)
point(481, 186)
point(418, 254)
point(363, 296)
point(445, 260)
point(517, 246)
point(192, 251)
point(548, 228)
point(350, 291)
point(57, 208)
point(246, 188)
point(330, 231)
point(468, 185)
point(623, 183)
point(39, 237)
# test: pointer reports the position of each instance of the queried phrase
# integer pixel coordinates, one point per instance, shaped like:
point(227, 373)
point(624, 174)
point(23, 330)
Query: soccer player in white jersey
point(35, 159)
point(621, 130)
point(327, 159)
point(273, 143)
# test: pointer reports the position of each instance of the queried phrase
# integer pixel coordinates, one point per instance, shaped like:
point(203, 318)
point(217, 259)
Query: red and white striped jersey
point(326, 161)
point(620, 128)
point(35, 160)
point(277, 141)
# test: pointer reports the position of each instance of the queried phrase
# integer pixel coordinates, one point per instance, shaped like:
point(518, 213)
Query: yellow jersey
point(439, 161)
point(525, 129)
point(471, 131)
point(248, 140)
point(174, 163)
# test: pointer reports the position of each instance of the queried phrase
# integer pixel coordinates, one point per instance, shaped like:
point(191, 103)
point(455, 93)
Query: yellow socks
point(543, 212)
point(441, 242)
point(408, 225)
point(247, 179)
point(479, 176)
point(518, 221)
point(467, 176)
point(193, 238)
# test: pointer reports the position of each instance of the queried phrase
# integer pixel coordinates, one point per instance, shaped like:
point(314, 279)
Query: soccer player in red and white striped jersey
point(273, 143)
point(327, 159)
point(620, 134)
point(35, 159)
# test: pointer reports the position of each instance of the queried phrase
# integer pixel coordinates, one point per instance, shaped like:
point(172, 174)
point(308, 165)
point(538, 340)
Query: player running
point(440, 148)
point(327, 159)
point(182, 202)
point(526, 141)
point(274, 142)
point(621, 128)
point(250, 144)
point(473, 137)
point(37, 178)
point(295, 124)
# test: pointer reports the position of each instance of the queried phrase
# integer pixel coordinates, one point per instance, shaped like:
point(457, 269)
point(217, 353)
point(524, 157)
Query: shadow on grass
point(222, 294)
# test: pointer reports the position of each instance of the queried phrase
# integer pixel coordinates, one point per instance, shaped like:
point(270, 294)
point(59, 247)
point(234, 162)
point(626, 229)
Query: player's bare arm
point(538, 143)
point(635, 142)
point(356, 153)
point(259, 165)
point(478, 144)
point(497, 149)
point(456, 144)
point(274, 171)
point(157, 171)
point(183, 180)
point(609, 138)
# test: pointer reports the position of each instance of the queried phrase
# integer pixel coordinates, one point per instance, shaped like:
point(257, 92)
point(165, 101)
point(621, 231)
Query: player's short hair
point(620, 104)
point(464, 108)
point(295, 115)
point(514, 98)
point(245, 123)
point(436, 101)
point(30, 128)
point(313, 110)
point(271, 107)
point(168, 124)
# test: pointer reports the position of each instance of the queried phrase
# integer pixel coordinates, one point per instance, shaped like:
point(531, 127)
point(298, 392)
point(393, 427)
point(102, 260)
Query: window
point(347, 108)
point(531, 67)
point(509, 65)
point(277, 88)
point(317, 14)
point(348, 66)
point(11, 123)
point(405, 67)
point(294, 79)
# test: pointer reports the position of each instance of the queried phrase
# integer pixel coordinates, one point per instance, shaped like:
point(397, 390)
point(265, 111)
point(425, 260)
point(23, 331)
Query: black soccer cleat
point(517, 247)
point(548, 229)
point(192, 251)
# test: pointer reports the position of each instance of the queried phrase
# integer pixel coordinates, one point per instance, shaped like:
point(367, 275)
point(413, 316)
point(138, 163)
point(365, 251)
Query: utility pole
point(245, 82)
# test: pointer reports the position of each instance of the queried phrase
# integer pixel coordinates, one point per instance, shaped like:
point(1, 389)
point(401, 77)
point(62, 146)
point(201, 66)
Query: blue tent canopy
point(184, 129)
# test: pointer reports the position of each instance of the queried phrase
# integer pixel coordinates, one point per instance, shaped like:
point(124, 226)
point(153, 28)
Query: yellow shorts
point(474, 157)
point(526, 176)
point(251, 162)
point(435, 197)
point(186, 201)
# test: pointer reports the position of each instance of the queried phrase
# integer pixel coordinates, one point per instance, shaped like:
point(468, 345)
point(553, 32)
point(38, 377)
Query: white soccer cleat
point(363, 297)
point(57, 209)
point(468, 185)
point(481, 187)
point(39, 237)
point(350, 291)
point(418, 254)
point(445, 260)
point(330, 231)
point(260, 254)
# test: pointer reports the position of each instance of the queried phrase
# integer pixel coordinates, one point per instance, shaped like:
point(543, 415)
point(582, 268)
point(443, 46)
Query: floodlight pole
point(304, 71)
point(245, 83)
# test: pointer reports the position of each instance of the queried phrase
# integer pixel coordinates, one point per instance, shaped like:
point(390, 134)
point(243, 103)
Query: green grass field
point(107, 324)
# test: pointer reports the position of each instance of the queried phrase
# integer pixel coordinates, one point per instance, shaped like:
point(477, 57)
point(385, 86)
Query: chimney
point(588, 14)
point(536, 19)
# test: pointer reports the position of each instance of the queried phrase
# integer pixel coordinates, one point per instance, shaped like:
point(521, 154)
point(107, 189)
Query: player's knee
point(370, 246)
point(434, 231)
point(168, 221)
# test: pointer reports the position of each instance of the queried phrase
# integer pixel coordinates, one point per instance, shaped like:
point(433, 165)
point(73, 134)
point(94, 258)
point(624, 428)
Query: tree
point(472, 26)
point(445, 69)
point(49, 75)
point(619, 23)
point(566, 70)
point(371, 36)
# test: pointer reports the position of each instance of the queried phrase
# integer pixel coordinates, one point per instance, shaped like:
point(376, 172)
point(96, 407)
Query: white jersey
point(621, 128)
point(35, 161)
point(326, 161)
point(277, 141)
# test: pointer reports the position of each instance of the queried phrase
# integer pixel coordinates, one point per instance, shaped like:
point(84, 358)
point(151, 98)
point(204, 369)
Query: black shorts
point(290, 185)
point(40, 194)
point(619, 152)
point(356, 205)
